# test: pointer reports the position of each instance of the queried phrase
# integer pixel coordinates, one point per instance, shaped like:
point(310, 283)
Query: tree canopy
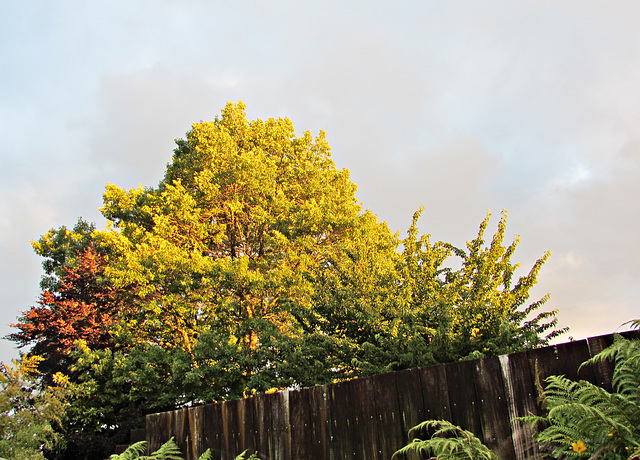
point(253, 266)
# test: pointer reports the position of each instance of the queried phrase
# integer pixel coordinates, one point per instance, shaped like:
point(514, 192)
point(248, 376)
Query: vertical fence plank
point(603, 370)
point(492, 407)
point(194, 446)
point(320, 414)
point(300, 422)
point(213, 431)
point(265, 437)
point(226, 431)
point(521, 392)
point(281, 426)
point(248, 430)
point(342, 427)
point(232, 427)
point(159, 429)
point(462, 396)
point(181, 429)
point(410, 400)
point(435, 393)
point(363, 410)
point(388, 422)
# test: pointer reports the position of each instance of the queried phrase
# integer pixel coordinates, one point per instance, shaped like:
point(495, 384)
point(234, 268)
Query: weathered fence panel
point(492, 407)
point(320, 416)
point(389, 427)
point(521, 394)
point(369, 418)
point(435, 393)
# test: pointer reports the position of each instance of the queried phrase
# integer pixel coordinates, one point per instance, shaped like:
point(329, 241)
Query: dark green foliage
point(59, 247)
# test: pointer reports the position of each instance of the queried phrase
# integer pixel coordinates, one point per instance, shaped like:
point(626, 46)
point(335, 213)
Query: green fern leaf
point(132, 452)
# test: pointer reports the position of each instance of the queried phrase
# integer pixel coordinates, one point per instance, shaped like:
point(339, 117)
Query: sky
point(461, 107)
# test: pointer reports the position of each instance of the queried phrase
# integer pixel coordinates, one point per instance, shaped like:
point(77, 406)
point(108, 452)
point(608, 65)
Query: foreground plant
point(30, 415)
point(448, 441)
point(586, 421)
point(168, 451)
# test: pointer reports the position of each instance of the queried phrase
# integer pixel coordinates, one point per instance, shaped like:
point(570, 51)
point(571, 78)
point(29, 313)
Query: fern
point(133, 452)
point(168, 451)
point(447, 442)
point(586, 421)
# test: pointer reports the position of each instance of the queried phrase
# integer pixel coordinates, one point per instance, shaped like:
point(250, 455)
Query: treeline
point(253, 267)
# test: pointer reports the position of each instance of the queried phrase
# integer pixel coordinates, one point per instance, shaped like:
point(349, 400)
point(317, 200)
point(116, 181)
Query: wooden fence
point(369, 418)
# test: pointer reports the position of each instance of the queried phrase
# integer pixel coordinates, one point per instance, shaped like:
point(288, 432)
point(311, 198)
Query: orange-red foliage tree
point(82, 307)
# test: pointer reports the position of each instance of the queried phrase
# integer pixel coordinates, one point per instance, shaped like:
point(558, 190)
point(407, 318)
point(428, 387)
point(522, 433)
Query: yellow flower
point(579, 446)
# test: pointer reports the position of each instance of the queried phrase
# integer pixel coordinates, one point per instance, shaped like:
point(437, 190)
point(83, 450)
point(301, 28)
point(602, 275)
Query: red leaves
point(82, 308)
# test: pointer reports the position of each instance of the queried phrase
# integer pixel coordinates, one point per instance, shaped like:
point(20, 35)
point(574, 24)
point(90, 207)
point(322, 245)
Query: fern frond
point(132, 452)
point(584, 420)
point(625, 354)
point(447, 442)
point(168, 451)
point(207, 455)
point(635, 323)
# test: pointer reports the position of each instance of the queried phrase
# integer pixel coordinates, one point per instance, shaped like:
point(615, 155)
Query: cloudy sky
point(461, 106)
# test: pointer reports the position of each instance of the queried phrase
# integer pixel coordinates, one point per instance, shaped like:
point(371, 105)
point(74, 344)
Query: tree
point(29, 414)
point(246, 214)
point(419, 311)
point(60, 247)
point(252, 266)
point(478, 309)
point(80, 306)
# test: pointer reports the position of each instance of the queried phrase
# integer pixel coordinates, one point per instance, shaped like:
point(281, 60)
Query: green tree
point(59, 248)
point(29, 415)
point(478, 309)
point(414, 309)
point(252, 266)
point(246, 213)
